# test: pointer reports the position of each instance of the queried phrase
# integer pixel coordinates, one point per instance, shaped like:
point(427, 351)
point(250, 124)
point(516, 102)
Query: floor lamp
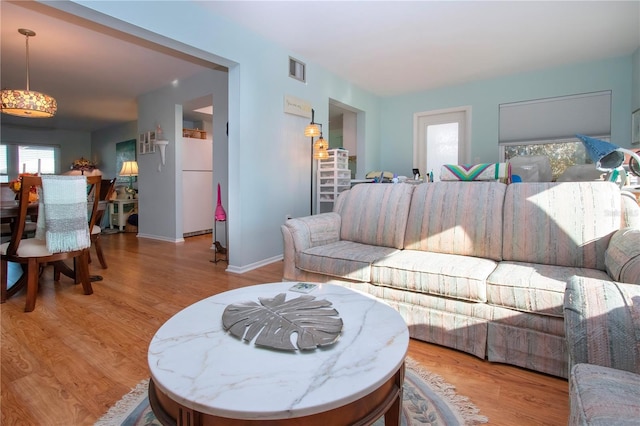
point(610, 157)
point(318, 149)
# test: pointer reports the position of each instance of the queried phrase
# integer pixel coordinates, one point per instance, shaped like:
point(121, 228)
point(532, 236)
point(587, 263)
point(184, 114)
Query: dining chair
point(107, 188)
point(62, 233)
point(8, 198)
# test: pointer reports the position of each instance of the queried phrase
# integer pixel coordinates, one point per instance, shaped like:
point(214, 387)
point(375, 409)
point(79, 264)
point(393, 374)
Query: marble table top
point(201, 366)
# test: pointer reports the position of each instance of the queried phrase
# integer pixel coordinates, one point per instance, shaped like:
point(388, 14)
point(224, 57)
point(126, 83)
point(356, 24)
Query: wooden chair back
point(107, 188)
point(25, 208)
point(36, 253)
point(6, 193)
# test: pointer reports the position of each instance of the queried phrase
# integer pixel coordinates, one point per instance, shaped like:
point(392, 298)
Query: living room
point(387, 133)
point(266, 145)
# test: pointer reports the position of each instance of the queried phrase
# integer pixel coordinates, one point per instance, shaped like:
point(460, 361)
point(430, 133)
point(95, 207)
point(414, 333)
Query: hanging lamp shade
point(312, 130)
point(320, 149)
point(27, 103)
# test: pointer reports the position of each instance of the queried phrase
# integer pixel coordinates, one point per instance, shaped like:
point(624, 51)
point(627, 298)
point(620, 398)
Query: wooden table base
point(385, 400)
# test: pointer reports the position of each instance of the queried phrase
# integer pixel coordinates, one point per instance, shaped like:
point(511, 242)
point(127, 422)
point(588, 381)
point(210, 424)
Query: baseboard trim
point(159, 238)
point(255, 265)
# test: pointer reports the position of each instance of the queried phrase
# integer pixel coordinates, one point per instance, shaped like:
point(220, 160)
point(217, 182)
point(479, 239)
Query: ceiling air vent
point(297, 70)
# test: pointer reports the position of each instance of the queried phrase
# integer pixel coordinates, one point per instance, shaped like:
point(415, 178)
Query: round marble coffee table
point(202, 375)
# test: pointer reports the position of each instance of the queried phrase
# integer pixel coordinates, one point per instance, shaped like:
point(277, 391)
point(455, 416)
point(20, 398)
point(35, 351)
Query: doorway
point(441, 137)
point(344, 122)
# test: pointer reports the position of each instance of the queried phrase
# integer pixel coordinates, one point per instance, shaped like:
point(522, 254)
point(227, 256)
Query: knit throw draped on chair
point(62, 213)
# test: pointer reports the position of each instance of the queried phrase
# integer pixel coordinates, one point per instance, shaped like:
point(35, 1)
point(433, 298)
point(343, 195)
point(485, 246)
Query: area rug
point(427, 400)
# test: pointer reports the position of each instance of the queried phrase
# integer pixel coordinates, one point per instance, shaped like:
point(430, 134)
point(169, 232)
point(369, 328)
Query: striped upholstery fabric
point(565, 224)
point(630, 210)
point(528, 340)
point(527, 348)
point(602, 396)
point(463, 218)
point(602, 323)
point(343, 259)
point(315, 230)
point(375, 214)
point(622, 258)
point(460, 277)
point(444, 321)
point(531, 287)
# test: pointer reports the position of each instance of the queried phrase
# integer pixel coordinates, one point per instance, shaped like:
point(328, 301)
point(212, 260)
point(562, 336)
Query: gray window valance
point(555, 118)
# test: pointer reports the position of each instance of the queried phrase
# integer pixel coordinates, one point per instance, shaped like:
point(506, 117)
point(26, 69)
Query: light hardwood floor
point(72, 358)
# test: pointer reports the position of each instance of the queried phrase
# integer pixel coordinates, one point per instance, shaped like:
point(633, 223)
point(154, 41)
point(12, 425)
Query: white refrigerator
point(197, 186)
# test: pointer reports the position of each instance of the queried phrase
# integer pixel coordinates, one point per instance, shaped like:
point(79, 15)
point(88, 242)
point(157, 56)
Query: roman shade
point(555, 118)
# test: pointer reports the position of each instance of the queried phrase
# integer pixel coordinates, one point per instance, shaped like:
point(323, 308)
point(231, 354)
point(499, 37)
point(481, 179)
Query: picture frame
point(635, 127)
point(142, 140)
point(146, 142)
point(151, 141)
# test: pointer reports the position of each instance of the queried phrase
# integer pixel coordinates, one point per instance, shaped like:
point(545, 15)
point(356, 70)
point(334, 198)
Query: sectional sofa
point(476, 266)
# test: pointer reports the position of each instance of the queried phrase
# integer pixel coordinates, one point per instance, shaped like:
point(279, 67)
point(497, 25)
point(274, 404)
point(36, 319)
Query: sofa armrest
point(602, 323)
point(302, 233)
point(622, 257)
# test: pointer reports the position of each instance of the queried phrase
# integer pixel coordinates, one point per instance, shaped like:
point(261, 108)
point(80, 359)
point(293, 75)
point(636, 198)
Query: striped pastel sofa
point(602, 326)
point(476, 266)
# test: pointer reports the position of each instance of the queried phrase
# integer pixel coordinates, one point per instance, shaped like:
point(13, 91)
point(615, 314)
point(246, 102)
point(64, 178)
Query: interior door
point(440, 137)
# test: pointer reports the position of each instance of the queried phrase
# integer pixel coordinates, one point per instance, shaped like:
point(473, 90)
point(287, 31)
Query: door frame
point(464, 146)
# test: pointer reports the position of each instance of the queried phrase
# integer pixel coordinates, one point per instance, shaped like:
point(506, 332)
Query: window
point(3, 164)
point(16, 159)
point(548, 127)
point(561, 153)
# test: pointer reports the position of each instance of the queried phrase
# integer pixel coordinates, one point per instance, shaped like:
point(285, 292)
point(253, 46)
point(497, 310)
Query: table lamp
point(129, 168)
point(609, 157)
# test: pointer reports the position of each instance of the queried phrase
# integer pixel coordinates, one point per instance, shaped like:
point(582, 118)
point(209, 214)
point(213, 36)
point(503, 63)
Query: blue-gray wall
point(484, 97)
point(103, 146)
point(268, 156)
point(73, 144)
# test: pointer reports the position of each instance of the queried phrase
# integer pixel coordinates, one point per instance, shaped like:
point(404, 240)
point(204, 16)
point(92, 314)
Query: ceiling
point(386, 47)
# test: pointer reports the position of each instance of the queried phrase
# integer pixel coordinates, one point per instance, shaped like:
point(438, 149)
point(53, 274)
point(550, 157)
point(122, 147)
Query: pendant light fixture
point(27, 103)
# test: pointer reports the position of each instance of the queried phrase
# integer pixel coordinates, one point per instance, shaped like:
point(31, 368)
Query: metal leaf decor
point(274, 320)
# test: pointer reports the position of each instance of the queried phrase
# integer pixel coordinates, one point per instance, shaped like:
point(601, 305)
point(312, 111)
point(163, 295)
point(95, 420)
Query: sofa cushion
point(533, 287)
point(602, 323)
point(458, 324)
point(459, 277)
point(603, 396)
point(622, 257)
point(462, 218)
point(375, 214)
point(566, 224)
point(343, 259)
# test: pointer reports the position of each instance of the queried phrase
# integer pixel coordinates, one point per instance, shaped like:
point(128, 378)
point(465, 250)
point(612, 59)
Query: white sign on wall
point(297, 106)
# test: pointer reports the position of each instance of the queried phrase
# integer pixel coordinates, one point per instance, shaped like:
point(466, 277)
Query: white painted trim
point(255, 265)
point(158, 238)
